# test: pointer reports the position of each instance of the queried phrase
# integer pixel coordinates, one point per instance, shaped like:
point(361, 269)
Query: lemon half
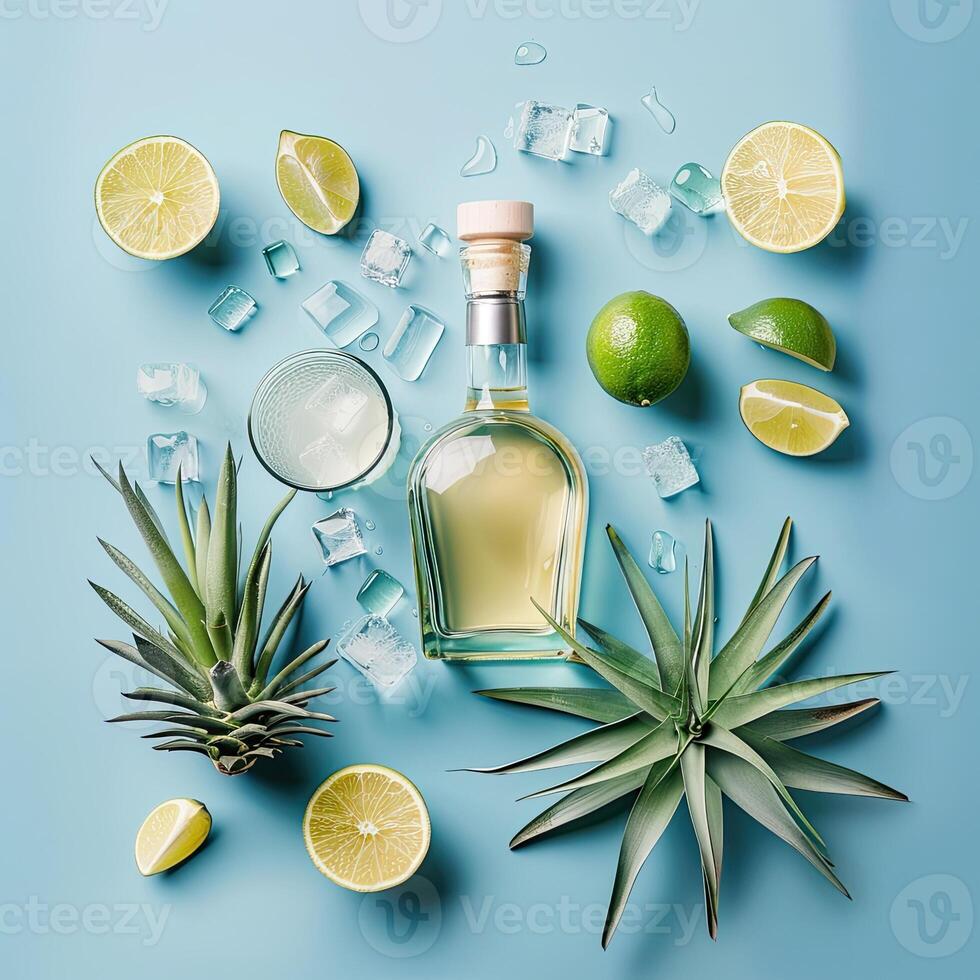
point(791, 418)
point(783, 186)
point(367, 828)
point(170, 834)
point(157, 198)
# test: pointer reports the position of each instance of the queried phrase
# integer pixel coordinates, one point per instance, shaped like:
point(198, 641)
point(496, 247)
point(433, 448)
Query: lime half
point(790, 326)
point(157, 198)
point(170, 834)
point(367, 828)
point(791, 418)
point(318, 180)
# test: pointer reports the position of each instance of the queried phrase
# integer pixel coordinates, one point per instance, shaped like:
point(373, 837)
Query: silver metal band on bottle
point(495, 320)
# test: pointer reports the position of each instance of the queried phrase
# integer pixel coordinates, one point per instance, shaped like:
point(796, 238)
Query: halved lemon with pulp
point(367, 828)
point(170, 834)
point(317, 180)
point(791, 418)
point(783, 186)
point(157, 198)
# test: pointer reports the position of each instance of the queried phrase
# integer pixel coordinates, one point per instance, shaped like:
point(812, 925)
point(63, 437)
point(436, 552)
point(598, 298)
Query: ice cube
point(543, 130)
point(663, 558)
point(323, 458)
point(697, 189)
point(640, 199)
point(660, 112)
point(530, 53)
point(483, 161)
point(414, 339)
point(232, 308)
point(165, 451)
point(377, 650)
point(339, 537)
point(337, 402)
point(172, 384)
point(385, 258)
point(281, 259)
point(380, 592)
point(590, 127)
point(341, 312)
point(669, 465)
point(435, 240)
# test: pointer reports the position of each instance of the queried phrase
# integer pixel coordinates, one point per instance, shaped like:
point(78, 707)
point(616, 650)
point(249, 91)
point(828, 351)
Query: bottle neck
point(497, 377)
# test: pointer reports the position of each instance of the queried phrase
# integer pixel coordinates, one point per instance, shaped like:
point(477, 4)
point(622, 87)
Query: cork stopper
point(495, 259)
point(494, 220)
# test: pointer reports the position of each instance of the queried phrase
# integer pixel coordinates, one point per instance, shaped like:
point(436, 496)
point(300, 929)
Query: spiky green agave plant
point(686, 724)
point(232, 708)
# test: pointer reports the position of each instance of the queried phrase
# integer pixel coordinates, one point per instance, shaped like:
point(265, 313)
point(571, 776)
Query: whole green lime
point(638, 348)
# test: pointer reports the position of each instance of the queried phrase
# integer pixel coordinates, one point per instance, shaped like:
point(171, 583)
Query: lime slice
point(791, 418)
point(638, 348)
point(790, 326)
point(157, 198)
point(367, 828)
point(171, 834)
point(784, 187)
point(318, 180)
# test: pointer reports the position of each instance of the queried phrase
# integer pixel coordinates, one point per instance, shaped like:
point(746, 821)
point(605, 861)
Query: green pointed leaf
point(303, 730)
point(169, 697)
point(651, 813)
point(595, 745)
point(302, 679)
point(667, 648)
point(301, 697)
point(627, 660)
point(246, 634)
point(221, 637)
point(187, 539)
point(221, 581)
point(229, 694)
point(752, 792)
point(726, 741)
point(714, 810)
point(278, 627)
point(578, 804)
point(176, 671)
point(772, 569)
point(760, 672)
point(130, 653)
point(692, 762)
point(181, 746)
point(178, 585)
point(661, 743)
point(266, 531)
point(134, 621)
point(749, 639)
point(703, 634)
point(270, 689)
point(202, 540)
point(645, 697)
point(807, 772)
point(740, 710)
point(594, 703)
point(799, 722)
point(151, 513)
point(259, 708)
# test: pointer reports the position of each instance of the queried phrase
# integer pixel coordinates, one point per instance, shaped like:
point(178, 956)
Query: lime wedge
point(367, 828)
point(791, 418)
point(783, 186)
point(171, 834)
point(157, 198)
point(790, 326)
point(317, 180)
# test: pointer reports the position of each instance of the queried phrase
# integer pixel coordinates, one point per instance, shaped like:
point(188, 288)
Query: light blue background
point(897, 280)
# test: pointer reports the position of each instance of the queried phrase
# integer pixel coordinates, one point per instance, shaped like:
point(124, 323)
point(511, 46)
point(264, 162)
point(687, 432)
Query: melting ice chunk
point(483, 161)
point(280, 259)
point(339, 537)
point(530, 53)
point(660, 112)
point(697, 189)
point(377, 650)
point(544, 130)
point(663, 558)
point(380, 592)
point(165, 451)
point(172, 384)
point(411, 345)
point(385, 258)
point(232, 308)
point(433, 239)
point(640, 199)
point(341, 312)
point(590, 127)
point(669, 465)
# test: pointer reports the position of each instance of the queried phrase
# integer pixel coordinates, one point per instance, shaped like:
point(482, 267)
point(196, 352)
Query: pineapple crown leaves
point(223, 700)
point(688, 723)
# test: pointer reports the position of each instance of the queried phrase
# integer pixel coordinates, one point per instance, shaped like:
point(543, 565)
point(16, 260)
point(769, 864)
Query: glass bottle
point(498, 498)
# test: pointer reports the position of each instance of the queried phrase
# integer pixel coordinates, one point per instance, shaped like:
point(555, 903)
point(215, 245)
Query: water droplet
point(415, 613)
point(660, 112)
point(370, 525)
point(530, 53)
point(428, 426)
point(369, 341)
point(663, 558)
point(379, 550)
point(483, 161)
